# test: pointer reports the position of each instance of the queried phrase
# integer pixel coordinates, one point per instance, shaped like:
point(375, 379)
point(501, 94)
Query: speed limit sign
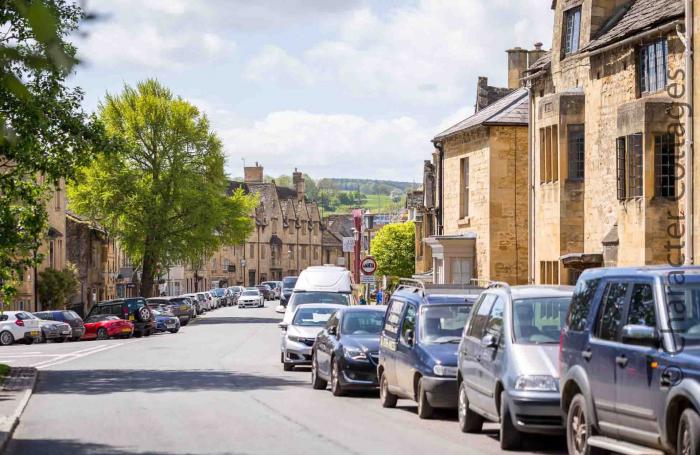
point(368, 266)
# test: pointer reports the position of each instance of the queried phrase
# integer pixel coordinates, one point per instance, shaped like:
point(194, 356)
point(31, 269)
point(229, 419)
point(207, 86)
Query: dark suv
point(630, 361)
point(69, 317)
point(133, 309)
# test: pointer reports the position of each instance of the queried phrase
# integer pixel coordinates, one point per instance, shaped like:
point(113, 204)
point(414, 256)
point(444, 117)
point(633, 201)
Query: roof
point(688, 272)
point(510, 110)
point(637, 17)
point(533, 291)
point(541, 63)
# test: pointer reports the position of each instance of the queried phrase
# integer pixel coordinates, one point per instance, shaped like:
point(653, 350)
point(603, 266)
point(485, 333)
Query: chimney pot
point(538, 46)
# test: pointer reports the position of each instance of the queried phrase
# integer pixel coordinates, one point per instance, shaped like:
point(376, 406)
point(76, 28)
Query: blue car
point(419, 344)
point(165, 322)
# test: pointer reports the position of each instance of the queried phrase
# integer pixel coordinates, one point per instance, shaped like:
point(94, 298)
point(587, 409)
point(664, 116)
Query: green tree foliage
point(56, 287)
point(394, 249)
point(163, 194)
point(44, 134)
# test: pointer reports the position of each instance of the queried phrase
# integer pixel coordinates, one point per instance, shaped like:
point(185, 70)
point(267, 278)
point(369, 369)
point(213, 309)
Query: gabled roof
point(640, 16)
point(510, 110)
point(541, 63)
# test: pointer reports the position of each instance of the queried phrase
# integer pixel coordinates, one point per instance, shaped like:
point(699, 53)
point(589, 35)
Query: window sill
point(464, 222)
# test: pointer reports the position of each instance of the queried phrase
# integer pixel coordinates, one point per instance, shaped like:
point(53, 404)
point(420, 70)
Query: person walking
point(380, 296)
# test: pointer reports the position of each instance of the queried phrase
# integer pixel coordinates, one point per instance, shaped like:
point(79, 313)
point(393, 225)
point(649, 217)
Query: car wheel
point(510, 438)
point(102, 334)
point(174, 330)
point(43, 338)
point(60, 340)
point(138, 334)
point(316, 382)
point(469, 421)
point(386, 398)
point(148, 333)
point(6, 338)
point(425, 410)
point(185, 323)
point(579, 428)
point(689, 433)
point(336, 387)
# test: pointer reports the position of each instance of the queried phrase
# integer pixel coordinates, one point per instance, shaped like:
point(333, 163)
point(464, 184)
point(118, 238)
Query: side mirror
point(283, 326)
point(332, 330)
point(489, 341)
point(641, 335)
point(410, 337)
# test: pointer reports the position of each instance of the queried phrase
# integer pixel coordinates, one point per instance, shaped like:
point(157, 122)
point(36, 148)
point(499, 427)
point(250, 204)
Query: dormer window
point(572, 30)
point(653, 65)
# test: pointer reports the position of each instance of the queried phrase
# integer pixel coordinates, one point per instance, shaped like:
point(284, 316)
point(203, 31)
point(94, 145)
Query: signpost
point(368, 279)
point(368, 265)
point(348, 244)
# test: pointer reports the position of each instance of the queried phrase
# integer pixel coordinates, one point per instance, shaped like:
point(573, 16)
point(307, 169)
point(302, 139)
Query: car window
point(581, 304)
point(23, 316)
point(393, 317)
point(442, 324)
point(539, 320)
point(480, 316)
point(117, 310)
point(642, 310)
point(332, 321)
point(494, 326)
point(312, 317)
point(362, 322)
point(610, 315)
point(45, 316)
point(409, 323)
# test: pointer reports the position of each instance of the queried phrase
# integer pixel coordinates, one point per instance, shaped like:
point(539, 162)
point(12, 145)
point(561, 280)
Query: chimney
point(517, 64)
point(482, 93)
point(253, 174)
point(535, 54)
point(299, 184)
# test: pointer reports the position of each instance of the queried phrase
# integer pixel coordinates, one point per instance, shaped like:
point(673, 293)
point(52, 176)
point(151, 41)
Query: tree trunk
point(147, 273)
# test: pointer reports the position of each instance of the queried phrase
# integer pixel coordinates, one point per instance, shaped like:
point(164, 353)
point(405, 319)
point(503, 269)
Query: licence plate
point(66, 332)
point(170, 326)
point(34, 333)
point(183, 308)
point(126, 330)
point(131, 318)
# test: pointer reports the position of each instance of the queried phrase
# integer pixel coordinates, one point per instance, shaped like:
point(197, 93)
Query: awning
point(581, 261)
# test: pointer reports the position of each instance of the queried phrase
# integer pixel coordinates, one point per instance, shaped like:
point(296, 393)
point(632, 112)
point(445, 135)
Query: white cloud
point(274, 64)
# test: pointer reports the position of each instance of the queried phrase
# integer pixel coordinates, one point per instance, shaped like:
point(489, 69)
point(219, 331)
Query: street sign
point(348, 244)
point(368, 279)
point(368, 265)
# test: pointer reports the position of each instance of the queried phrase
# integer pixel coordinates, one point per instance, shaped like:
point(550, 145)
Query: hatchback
point(18, 326)
point(134, 310)
point(69, 317)
point(300, 335)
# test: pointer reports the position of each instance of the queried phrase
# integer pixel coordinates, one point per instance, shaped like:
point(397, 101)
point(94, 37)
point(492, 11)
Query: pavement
point(216, 387)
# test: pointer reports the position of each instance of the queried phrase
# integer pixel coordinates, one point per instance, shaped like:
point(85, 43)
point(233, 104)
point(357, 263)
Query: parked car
point(508, 371)
point(346, 352)
point(69, 317)
point(18, 326)
point(266, 291)
point(166, 322)
point(276, 292)
point(251, 298)
point(134, 310)
point(199, 301)
point(221, 295)
point(418, 351)
point(54, 331)
point(288, 283)
point(179, 307)
point(237, 290)
point(300, 335)
point(106, 326)
point(213, 301)
point(630, 361)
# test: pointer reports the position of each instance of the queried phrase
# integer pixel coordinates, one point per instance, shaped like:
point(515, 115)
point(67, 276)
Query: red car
point(104, 327)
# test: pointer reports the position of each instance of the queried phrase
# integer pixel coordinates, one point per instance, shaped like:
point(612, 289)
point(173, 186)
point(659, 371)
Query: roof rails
point(424, 288)
point(500, 284)
point(405, 283)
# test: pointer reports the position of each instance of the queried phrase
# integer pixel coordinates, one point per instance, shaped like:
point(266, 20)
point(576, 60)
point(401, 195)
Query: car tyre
point(469, 421)
point(60, 340)
point(425, 410)
point(579, 428)
point(509, 437)
point(689, 433)
point(6, 338)
point(29, 341)
point(386, 398)
point(102, 334)
point(316, 382)
point(336, 387)
point(174, 330)
point(148, 333)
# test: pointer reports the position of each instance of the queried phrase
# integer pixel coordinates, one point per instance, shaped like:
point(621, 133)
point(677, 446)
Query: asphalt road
point(217, 387)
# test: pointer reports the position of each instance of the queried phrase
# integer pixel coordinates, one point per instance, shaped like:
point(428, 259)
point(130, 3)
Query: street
point(215, 387)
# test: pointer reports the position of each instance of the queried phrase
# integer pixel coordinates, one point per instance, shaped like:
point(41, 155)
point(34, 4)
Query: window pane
point(642, 310)
point(495, 324)
point(611, 311)
point(576, 151)
point(409, 323)
point(621, 169)
point(478, 322)
point(665, 165)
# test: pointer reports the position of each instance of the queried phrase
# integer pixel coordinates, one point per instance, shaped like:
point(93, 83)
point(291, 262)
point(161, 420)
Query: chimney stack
point(517, 64)
point(253, 174)
point(299, 184)
point(535, 54)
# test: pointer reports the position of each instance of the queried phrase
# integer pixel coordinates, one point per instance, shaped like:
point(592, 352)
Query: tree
point(163, 193)
point(394, 249)
point(56, 287)
point(45, 134)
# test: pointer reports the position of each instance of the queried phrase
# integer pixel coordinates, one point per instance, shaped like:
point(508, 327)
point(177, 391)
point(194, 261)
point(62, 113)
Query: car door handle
point(587, 355)
point(622, 361)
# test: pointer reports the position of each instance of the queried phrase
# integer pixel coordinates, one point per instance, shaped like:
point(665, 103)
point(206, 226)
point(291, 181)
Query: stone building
point(287, 237)
point(337, 228)
point(604, 158)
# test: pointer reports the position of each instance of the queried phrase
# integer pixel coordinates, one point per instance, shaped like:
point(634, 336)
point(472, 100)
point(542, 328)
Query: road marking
point(79, 354)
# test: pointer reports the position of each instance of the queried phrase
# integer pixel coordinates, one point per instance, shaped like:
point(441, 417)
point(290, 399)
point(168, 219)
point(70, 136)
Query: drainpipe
point(441, 173)
point(531, 187)
point(690, 133)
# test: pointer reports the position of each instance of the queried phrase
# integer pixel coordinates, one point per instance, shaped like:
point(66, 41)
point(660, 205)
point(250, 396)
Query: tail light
point(125, 311)
point(19, 322)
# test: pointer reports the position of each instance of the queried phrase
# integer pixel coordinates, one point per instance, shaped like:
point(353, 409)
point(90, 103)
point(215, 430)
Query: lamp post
point(243, 269)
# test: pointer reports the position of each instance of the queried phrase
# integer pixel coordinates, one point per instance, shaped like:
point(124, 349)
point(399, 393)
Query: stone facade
point(595, 93)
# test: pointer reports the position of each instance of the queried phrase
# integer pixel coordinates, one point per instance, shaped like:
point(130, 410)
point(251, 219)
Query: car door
point(323, 352)
point(489, 359)
point(405, 358)
point(470, 351)
point(389, 341)
point(638, 372)
point(600, 354)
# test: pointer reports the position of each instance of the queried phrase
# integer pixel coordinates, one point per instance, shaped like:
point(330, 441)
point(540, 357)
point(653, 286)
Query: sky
point(335, 88)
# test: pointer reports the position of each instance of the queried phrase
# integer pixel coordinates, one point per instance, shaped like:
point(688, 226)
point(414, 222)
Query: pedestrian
point(380, 296)
point(363, 301)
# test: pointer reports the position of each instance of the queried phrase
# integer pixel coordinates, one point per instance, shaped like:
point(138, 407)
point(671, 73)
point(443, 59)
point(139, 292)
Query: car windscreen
point(312, 317)
point(157, 302)
point(248, 293)
point(442, 324)
point(362, 323)
point(683, 303)
point(178, 302)
point(289, 282)
point(70, 315)
point(539, 320)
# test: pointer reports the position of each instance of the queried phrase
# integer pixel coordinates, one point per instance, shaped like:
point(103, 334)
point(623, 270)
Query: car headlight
point(354, 354)
point(296, 338)
point(537, 383)
point(448, 372)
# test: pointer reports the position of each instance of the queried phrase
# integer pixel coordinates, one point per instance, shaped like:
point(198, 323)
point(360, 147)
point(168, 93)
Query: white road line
point(79, 355)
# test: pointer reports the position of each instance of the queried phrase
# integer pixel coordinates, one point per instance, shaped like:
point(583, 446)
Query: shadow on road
point(98, 382)
point(234, 320)
point(68, 447)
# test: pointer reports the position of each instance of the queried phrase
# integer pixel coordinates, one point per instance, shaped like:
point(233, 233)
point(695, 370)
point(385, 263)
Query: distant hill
point(367, 186)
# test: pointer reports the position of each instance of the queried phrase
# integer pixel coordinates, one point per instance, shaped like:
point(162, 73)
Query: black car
point(180, 307)
point(69, 317)
point(346, 352)
point(630, 361)
point(133, 309)
point(288, 284)
point(266, 291)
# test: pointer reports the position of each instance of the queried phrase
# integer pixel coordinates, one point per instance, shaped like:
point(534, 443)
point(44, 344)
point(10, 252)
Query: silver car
point(251, 298)
point(508, 361)
point(300, 334)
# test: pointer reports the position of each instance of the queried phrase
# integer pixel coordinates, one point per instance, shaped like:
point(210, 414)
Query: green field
point(377, 203)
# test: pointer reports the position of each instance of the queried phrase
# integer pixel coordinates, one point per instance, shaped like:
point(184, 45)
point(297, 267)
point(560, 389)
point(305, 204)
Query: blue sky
point(336, 88)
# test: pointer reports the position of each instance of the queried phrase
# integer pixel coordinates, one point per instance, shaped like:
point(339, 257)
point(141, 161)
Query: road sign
point(368, 265)
point(348, 244)
point(368, 279)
